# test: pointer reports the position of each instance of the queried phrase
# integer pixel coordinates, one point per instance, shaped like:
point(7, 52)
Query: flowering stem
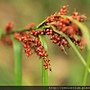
point(44, 44)
point(85, 32)
point(44, 72)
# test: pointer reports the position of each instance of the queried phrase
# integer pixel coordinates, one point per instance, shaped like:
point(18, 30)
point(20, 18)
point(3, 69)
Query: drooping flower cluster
point(29, 42)
point(61, 23)
point(54, 37)
point(66, 26)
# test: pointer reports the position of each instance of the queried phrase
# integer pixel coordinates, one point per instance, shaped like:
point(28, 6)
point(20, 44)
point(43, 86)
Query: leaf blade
point(17, 48)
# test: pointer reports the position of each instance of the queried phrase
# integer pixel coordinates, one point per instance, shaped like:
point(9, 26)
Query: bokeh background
point(67, 69)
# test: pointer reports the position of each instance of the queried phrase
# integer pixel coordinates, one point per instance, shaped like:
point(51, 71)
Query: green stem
point(86, 36)
point(86, 69)
point(40, 25)
point(44, 43)
point(17, 62)
point(44, 75)
point(44, 72)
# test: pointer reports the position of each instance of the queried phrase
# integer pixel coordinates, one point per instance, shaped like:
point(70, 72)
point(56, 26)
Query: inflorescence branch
point(53, 24)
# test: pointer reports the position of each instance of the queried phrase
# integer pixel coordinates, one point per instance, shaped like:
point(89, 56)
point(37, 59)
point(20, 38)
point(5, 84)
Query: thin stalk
point(44, 43)
point(86, 35)
point(17, 62)
point(85, 78)
point(40, 25)
point(44, 75)
point(44, 72)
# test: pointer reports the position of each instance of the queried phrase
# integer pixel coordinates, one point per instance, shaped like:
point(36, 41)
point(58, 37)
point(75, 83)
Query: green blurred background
point(67, 69)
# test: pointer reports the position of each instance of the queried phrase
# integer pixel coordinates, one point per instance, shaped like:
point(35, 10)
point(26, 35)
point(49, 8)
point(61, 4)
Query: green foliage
point(86, 36)
point(1, 32)
point(44, 72)
point(17, 48)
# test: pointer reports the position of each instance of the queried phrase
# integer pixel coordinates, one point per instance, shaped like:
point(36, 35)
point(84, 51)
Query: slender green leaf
point(74, 47)
point(44, 43)
point(44, 72)
point(86, 36)
point(17, 47)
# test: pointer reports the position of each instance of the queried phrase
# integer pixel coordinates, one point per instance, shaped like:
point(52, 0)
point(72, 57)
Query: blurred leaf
point(1, 32)
point(17, 61)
